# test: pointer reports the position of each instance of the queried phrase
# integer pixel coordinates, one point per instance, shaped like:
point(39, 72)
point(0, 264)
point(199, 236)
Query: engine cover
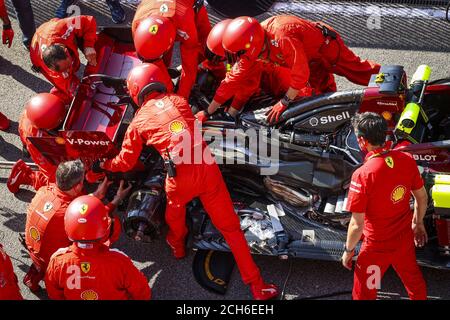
point(327, 120)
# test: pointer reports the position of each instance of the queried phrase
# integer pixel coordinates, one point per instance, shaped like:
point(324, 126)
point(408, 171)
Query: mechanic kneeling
point(379, 199)
point(89, 269)
point(44, 229)
point(166, 122)
point(299, 59)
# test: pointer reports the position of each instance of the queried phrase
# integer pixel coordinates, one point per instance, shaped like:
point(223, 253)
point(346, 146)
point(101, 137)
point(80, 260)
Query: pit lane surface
point(172, 279)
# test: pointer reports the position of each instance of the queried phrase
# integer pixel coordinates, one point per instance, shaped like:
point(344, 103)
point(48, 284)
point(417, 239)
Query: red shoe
point(4, 122)
point(179, 252)
point(20, 174)
point(263, 291)
point(32, 279)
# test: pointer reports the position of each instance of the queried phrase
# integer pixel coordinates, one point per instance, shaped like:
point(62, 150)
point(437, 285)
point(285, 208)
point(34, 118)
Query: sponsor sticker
point(89, 295)
point(398, 194)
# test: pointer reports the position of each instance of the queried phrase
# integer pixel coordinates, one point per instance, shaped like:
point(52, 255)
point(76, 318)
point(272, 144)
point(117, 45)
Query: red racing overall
point(192, 31)
point(9, 289)
point(167, 123)
point(73, 33)
point(381, 189)
point(44, 229)
point(99, 273)
point(47, 170)
point(297, 55)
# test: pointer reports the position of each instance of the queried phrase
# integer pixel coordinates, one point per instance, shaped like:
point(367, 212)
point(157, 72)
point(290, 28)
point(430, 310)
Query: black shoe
point(117, 12)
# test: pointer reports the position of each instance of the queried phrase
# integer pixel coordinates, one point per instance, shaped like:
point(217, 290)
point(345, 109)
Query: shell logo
point(60, 140)
point(398, 194)
point(89, 295)
point(153, 29)
point(386, 115)
point(176, 127)
point(34, 234)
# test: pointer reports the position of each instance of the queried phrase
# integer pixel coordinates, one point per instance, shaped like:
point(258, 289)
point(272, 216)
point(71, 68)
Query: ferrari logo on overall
point(159, 104)
point(389, 161)
point(84, 208)
point(153, 29)
point(164, 8)
point(85, 267)
point(398, 194)
point(48, 206)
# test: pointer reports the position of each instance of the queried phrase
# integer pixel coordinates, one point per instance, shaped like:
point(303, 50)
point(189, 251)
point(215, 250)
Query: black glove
point(96, 167)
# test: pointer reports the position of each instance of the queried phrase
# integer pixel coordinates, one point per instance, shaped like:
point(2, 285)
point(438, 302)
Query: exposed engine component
point(298, 198)
point(145, 211)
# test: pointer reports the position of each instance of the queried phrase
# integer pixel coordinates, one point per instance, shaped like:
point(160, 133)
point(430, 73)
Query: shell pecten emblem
point(34, 234)
point(60, 140)
point(176, 126)
point(89, 295)
point(398, 194)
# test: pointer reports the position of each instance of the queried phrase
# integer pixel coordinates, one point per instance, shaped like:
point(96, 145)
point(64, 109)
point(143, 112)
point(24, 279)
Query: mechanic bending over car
point(165, 121)
point(157, 24)
point(298, 57)
point(379, 199)
point(104, 273)
point(44, 229)
point(54, 51)
point(7, 38)
point(43, 113)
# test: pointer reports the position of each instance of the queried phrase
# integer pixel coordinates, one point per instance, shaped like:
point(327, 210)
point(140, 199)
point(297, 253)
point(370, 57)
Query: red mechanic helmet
point(145, 79)
point(153, 37)
point(45, 111)
point(243, 36)
point(214, 41)
point(86, 220)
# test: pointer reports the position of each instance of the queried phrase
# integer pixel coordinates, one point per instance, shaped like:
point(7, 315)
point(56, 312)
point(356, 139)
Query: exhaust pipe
point(330, 206)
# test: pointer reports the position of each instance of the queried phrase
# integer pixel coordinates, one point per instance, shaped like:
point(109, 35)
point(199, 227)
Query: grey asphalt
point(172, 279)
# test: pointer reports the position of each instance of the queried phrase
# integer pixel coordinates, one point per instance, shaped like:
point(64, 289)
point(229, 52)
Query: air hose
point(327, 295)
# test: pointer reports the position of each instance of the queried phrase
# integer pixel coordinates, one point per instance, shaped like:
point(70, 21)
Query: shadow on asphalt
point(27, 78)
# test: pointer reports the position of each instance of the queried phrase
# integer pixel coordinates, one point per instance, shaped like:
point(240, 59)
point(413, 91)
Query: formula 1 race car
point(291, 200)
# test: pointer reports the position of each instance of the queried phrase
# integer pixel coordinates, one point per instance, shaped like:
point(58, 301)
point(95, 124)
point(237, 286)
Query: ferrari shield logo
point(153, 29)
point(85, 267)
point(48, 206)
point(84, 208)
point(389, 161)
point(164, 8)
point(159, 104)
